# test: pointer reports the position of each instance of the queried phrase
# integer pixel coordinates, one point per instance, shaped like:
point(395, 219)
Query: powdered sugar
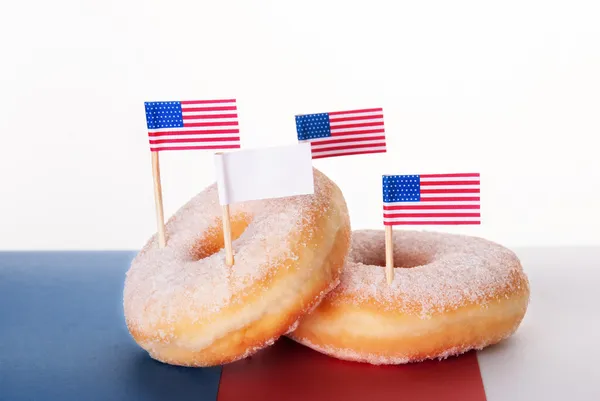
point(164, 283)
point(446, 271)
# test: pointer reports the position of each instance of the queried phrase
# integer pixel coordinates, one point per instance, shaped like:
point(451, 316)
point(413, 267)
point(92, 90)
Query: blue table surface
point(63, 334)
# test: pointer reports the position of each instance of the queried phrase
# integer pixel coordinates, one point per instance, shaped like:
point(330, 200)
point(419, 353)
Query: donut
point(186, 307)
point(450, 294)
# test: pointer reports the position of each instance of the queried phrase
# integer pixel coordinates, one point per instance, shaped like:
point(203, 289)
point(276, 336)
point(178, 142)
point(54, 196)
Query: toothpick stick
point(227, 236)
point(160, 219)
point(389, 255)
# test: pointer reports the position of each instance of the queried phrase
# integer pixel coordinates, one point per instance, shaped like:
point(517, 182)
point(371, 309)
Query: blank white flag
point(264, 173)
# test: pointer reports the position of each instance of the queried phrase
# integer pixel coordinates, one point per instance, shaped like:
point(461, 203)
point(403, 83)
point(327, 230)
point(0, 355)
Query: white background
point(510, 89)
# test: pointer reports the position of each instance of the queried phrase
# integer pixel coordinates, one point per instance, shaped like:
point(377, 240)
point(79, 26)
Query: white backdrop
point(510, 89)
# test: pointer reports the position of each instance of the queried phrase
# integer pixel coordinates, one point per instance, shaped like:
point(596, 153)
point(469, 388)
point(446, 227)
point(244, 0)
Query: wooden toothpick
point(227, 235)
point(160, 219)
point(389, 255)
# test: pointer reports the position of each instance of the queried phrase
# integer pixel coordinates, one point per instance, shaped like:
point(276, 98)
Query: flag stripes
point(193, 124)
point(343, 133)
point(431, 199)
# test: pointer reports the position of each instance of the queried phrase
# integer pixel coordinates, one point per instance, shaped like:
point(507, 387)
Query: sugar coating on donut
point(379, 359)
point(333, 284)
point(442, 271)
point(161, 283)
point(450, 294)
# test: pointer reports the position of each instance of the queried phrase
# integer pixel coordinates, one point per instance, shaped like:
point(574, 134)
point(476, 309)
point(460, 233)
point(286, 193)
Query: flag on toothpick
point(428, 199)
point(431, 199)
point(343, 133)
point(193, 124)
point(261, 174)
point(188, 125)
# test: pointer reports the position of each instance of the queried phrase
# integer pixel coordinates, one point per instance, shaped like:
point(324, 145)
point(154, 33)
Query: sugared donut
point(185, 306)
point(450, 294)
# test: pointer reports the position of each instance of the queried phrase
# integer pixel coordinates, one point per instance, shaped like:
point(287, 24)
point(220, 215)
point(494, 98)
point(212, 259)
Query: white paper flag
point(272, 172)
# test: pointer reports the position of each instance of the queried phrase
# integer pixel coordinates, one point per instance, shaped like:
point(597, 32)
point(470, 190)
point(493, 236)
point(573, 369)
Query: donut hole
point(212, 240)
point(408, 260)
point(402, 259)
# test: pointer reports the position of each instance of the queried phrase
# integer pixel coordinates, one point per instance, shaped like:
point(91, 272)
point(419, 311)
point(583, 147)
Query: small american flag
point(193, 124)
point(431, 199)
point(342, 133)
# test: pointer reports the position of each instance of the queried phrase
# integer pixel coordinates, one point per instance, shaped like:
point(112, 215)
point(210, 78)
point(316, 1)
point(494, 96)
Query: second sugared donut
point(185, 306)
point(450, 294)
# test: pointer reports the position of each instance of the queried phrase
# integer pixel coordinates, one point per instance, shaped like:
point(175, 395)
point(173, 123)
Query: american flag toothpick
point(193, 124)
point(188, 125)
point(428, 199)
point(343, 133)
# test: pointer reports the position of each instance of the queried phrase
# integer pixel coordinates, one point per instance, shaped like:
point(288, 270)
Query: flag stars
point(164, 115)
point(401, 188)
point(311, 126)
